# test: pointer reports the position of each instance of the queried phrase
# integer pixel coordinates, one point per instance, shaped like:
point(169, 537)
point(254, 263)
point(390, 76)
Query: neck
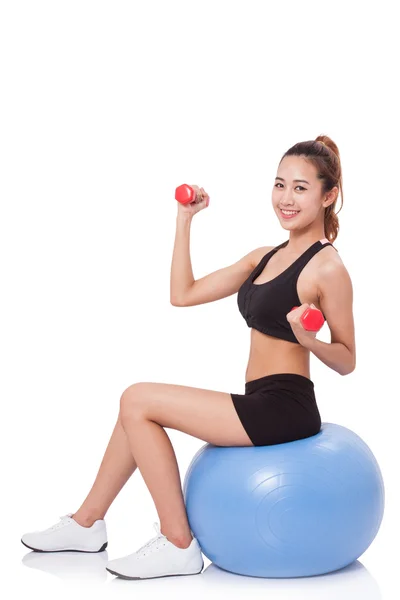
point(299, 244)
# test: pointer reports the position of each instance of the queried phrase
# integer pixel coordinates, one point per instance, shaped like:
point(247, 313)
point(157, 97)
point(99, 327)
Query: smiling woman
point(278, 404)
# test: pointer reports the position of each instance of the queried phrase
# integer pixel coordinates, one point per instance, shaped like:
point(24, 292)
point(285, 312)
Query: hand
point(303, 336)
point(194, 207)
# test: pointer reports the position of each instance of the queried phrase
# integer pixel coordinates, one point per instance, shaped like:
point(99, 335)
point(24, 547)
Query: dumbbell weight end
point(185, 194)
point(312, 319)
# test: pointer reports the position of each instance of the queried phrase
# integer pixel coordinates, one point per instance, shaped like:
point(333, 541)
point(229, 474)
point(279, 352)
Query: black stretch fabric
point(278, 408)
point(264, 306)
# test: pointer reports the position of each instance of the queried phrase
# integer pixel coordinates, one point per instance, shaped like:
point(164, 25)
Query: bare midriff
point(269, 355)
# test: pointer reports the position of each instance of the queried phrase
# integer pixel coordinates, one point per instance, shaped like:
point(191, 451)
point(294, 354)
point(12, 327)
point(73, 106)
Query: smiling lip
point(289, 216)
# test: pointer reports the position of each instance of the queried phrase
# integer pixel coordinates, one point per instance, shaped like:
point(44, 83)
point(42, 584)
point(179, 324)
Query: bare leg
point(158, 465)
point(115, 469)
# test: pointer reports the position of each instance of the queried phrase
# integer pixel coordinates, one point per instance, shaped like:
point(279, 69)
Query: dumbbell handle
point(185, 194)
point(312, 319)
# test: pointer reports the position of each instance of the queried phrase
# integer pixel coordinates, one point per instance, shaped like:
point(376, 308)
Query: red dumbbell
point(185, 194)
point(312, 319)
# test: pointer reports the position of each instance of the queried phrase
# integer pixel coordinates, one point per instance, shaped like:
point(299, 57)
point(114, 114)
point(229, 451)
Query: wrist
point(184, 217)
point(311, 343)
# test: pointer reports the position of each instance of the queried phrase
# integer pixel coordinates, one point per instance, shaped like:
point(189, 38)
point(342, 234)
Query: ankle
point(181, 544)
point(85, 520)
point(181, 541)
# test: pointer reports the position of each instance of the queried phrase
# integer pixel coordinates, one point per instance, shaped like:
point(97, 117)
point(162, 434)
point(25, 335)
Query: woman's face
point(304, 196)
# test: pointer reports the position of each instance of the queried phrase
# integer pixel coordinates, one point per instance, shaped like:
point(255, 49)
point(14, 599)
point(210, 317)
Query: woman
point(278, 404)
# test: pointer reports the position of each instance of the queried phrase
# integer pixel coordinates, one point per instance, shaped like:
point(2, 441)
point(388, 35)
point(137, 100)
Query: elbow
point(349, 369)
point(345, 372)
point(350, 363)
point(177, 302)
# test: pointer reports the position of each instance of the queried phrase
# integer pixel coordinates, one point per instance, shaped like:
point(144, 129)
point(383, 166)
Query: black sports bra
point(264, 306)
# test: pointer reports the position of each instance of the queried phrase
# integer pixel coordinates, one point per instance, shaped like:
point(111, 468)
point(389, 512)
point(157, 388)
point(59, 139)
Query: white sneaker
point(68, 535)
point(159, 558)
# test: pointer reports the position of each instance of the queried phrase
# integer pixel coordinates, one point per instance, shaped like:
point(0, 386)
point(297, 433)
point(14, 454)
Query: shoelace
point(153, 543)
point(63, 520)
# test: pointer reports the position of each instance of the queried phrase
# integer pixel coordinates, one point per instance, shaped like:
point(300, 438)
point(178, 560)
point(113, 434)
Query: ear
point(331, 196)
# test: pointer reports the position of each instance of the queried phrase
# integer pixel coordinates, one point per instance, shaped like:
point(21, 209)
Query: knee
point(132, 401)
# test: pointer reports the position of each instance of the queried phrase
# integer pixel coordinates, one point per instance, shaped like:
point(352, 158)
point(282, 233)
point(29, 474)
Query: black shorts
point(278, 408)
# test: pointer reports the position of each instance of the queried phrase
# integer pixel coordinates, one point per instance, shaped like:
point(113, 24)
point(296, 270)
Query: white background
point(107, 106)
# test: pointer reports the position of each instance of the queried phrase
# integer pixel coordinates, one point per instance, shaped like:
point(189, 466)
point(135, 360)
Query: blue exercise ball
point(296, 509)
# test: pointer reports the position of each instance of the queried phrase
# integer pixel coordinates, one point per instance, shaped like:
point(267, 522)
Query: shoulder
point(332, 273)
point(330, 262)
point(258, 254)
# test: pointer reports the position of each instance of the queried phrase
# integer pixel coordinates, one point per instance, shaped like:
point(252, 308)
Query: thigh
point(206, 414)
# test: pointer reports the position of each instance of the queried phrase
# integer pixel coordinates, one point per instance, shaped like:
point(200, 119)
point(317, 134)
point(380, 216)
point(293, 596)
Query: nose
point(285, 200)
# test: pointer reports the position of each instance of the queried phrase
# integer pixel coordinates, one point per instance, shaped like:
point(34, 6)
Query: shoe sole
point(157, 577)
point(104, 546)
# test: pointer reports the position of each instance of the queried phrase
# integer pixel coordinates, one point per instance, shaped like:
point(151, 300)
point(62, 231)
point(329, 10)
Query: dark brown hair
point(326, 159)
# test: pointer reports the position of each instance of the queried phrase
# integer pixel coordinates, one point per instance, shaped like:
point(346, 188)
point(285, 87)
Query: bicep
point(336, 301)
point(223, 282)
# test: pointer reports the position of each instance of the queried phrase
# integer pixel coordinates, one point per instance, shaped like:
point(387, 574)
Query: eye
point(298, 186)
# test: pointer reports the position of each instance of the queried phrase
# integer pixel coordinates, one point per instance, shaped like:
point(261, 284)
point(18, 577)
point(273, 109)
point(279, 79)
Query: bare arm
point(186, 291)
point(336, 302)
point(181, 267)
